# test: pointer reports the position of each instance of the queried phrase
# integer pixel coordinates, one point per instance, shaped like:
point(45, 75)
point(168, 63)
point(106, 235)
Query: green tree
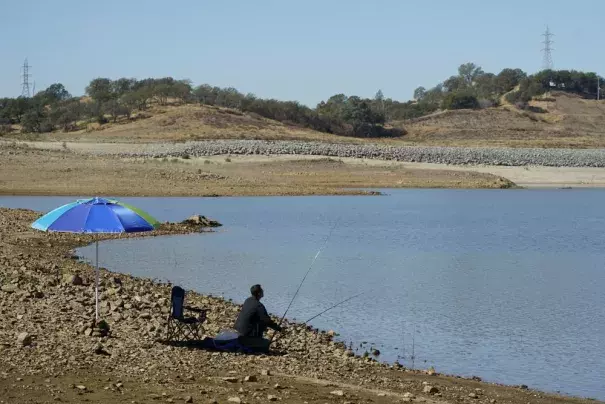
point(122, 86)
point(36, 120)
point(53, 94)
point(100, 90)
point(508, 79)
point(469, 72)
point(419, 93)
point(454, 83)
point(361, 116)
point(379, 102)
point(460, 100)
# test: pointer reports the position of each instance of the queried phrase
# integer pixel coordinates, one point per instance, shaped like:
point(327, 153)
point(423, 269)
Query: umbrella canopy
point(96, 215)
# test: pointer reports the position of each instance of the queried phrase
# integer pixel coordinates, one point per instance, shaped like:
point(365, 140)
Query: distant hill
point(555, 120)
point(188, 122)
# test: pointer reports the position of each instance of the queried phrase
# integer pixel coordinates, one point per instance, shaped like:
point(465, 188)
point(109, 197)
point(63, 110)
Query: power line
point(25, 84)
point(547, 63)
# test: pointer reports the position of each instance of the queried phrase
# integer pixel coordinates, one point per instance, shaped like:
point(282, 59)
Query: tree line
point(110, 100)
point(473, 88)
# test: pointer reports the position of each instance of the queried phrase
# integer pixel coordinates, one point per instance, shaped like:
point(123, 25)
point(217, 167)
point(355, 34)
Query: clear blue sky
point(301, 50)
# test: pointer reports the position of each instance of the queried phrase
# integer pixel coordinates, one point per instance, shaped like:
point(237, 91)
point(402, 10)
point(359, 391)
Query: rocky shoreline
point(47, 308)
point(416, 154)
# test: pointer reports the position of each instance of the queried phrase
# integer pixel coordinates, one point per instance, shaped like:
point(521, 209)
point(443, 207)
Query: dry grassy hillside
point(566, 121)
point(177, 123)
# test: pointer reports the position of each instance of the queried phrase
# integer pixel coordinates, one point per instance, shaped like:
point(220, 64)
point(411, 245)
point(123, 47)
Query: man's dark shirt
point(253, 319)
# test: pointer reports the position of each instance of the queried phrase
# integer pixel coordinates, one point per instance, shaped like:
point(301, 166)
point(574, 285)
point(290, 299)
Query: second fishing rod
point(306, 274)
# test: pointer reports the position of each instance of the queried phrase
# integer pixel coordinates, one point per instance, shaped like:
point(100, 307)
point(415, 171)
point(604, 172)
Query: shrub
point(460, 101)
point(5, 129)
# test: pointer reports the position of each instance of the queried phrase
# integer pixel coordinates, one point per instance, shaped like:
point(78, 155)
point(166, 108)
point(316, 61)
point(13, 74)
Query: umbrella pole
point(97, 281)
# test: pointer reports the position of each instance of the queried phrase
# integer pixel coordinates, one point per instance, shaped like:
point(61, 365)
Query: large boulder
point(200, 220)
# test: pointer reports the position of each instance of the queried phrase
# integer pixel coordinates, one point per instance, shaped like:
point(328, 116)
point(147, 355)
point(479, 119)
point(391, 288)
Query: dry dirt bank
point(28, 171)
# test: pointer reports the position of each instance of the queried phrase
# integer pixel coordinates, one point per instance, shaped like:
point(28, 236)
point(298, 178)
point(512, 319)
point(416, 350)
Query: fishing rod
point(326, 310)
point(306, 274)
point(334, 306)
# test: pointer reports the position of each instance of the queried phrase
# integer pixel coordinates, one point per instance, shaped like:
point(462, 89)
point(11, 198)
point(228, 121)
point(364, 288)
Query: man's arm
point(264, 317)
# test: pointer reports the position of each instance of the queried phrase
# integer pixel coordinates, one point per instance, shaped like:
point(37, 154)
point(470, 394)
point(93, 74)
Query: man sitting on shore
point(253, 321)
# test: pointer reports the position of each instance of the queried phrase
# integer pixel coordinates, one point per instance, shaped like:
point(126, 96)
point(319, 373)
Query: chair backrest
point(177, 301)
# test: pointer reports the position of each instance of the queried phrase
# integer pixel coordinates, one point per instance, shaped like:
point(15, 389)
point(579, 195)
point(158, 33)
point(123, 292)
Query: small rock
point(408, 395)
point(81, 387)
point(250, 378)
point(339, 393)
point(430, 389)
point(265, 372)
point(271, 398)
point(188, 399)
point(381, 395)
point(9, 288)
point(75, 280)
point(473, 395)
point(278, 387)
point(231, 379)
point(24, 339)
point(234, 400)
point(38, 294)
point(145, 316)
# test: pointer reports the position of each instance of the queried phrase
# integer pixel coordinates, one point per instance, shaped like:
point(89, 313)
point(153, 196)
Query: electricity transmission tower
point(25, 84)
point(547, 61)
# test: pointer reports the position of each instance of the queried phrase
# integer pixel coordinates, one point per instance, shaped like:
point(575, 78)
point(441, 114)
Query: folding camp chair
point(180, 326)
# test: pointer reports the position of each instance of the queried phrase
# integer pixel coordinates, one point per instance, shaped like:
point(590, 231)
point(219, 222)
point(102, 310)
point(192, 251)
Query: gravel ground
point(416, 154)
point(441, 155)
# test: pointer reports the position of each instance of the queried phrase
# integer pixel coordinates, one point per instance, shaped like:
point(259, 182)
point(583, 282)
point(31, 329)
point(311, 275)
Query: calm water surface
point(506, 285)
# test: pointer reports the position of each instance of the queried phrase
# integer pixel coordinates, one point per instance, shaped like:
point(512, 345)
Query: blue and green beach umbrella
point(96, 215)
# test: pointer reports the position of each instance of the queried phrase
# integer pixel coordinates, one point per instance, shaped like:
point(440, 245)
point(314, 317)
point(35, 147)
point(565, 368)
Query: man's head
point(257, 291)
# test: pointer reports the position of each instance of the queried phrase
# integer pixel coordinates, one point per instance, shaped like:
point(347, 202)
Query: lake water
point(508, 285)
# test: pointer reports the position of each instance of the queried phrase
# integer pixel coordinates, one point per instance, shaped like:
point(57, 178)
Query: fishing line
point(306, 274)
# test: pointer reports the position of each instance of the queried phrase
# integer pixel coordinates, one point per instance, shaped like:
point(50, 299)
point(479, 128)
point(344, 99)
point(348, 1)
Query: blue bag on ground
point(226, 341)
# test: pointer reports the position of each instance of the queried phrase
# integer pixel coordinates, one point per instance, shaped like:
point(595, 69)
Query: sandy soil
point(27, 171)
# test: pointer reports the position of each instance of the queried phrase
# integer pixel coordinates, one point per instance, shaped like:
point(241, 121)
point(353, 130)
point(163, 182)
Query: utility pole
point(598, 87)
point(547, 63)
point(25, 84)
